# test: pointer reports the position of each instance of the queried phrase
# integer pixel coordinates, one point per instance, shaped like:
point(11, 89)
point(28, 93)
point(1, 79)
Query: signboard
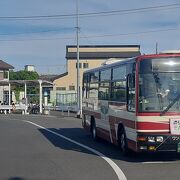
point(175, 126)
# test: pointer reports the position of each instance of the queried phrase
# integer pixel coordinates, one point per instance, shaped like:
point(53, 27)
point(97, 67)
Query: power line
point(102, 13)
point(97, 36)
point(39, 32)
point(135, 10)
point(40, 39)
point(133, 33)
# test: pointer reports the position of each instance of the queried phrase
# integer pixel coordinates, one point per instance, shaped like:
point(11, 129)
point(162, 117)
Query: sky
point(29, 35)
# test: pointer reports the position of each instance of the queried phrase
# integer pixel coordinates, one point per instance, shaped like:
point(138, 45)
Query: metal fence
point(66, 102)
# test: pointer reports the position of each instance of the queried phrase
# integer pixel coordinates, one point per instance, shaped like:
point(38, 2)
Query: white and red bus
point(135, 103)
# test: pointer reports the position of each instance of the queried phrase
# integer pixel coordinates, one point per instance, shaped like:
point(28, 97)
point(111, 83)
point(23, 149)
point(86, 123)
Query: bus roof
point(138, 58)
point(119, 61)
point(161, 55)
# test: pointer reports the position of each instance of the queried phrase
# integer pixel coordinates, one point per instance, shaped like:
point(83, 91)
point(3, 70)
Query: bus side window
point(131, 92)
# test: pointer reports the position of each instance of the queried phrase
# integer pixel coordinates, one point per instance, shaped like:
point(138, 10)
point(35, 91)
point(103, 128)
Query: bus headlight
point(159, 139)
point(151, 139)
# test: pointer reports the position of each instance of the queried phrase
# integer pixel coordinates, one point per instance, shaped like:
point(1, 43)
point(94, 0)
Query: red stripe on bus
point(115, 120)
point(126, 122)
point(112, 119)
point(152, 126)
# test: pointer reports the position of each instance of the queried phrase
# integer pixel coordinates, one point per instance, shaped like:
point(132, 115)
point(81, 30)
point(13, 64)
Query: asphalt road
point(46, 148)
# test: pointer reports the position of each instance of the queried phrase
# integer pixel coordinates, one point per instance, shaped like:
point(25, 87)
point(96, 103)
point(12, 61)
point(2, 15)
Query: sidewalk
point(62, 114)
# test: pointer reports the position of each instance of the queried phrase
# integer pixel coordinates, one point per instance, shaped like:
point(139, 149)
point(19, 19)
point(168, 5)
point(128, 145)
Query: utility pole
point(78, 75)
point(156, 48)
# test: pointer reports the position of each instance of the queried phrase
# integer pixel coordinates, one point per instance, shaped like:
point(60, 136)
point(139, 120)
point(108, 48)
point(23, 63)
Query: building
point(4, 70)
point(90, 57)
point(29, 68)
point(4, 76)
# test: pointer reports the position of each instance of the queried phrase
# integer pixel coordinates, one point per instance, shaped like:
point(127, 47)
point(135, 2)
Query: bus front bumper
point(158, 143)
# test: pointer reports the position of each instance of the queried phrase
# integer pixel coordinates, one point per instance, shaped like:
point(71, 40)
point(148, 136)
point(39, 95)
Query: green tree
point(24, 75)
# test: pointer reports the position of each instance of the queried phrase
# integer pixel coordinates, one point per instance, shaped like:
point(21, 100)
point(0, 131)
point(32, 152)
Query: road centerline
point(113, 165)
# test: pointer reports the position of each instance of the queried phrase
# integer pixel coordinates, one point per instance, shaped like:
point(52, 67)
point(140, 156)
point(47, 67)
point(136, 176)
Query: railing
point(66, 102)
point(4, 109)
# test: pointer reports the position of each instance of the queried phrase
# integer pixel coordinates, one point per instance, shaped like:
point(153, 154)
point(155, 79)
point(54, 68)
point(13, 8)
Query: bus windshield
point(159, 85)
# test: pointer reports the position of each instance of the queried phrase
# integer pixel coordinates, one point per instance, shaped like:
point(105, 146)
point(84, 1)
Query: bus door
point(104, 122)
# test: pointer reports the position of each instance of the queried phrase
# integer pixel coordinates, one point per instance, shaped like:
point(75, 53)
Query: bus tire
point(94, 130)
point(122, 141)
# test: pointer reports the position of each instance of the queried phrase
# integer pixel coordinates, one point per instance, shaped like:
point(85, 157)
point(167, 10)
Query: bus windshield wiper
point(170, 105)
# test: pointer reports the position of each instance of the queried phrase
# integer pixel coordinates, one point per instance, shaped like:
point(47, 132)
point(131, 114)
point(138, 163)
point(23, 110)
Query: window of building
point(85, 65)
point(6, 74)
point(80, 65)
point(60, 88)
point(71, 88)
point(1, 75)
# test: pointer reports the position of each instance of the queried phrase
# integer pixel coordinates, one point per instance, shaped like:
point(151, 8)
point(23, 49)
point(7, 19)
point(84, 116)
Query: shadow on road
point(109, 150)
point(16, 178)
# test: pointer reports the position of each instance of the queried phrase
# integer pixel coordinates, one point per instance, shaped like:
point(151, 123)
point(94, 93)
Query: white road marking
point(114, 166)
point(158, 162)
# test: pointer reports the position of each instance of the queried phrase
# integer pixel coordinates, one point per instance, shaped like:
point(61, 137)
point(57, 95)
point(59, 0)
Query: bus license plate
point(178, 147)
point(175, 126)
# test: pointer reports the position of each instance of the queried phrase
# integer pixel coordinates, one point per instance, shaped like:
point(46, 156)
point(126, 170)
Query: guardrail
point(4, 109)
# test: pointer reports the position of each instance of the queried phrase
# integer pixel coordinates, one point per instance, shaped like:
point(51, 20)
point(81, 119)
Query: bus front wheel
point(123, 143)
